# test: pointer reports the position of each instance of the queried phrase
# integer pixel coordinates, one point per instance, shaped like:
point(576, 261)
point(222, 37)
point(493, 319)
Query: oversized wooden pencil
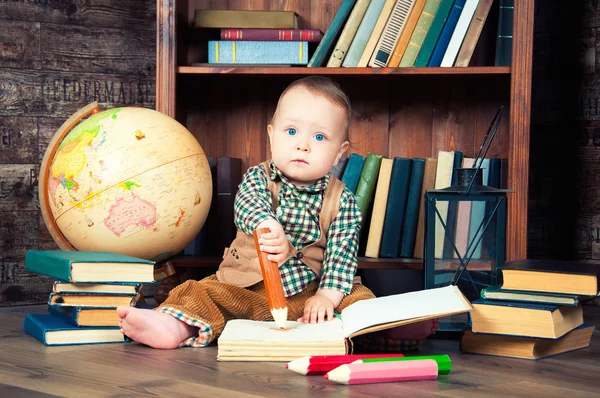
point(384, 372)
point(321, 364)
point(443, 361)
point(273, 284)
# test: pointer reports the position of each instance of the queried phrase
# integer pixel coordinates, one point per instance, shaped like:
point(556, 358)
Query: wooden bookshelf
point(409, 112)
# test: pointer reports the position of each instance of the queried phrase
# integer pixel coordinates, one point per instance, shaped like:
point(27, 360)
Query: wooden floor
point(30, 369)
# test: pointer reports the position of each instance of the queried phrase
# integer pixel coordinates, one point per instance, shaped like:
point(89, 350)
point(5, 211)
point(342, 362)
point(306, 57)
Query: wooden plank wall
point(56, 57)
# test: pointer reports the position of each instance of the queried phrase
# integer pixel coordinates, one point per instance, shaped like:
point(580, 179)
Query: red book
point(247, 34)
point(321, 364)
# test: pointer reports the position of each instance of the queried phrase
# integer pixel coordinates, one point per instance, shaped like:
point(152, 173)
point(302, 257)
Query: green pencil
point(443, 361)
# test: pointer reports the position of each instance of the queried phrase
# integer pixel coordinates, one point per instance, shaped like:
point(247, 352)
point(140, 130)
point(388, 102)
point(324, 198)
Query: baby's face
point(307, 136)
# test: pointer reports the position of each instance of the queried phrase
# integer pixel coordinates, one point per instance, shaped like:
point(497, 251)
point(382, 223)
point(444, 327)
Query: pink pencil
point(321, 364)
point(384, 372)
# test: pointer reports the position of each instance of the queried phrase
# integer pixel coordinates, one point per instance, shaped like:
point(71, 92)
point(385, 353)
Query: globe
point(126, 180)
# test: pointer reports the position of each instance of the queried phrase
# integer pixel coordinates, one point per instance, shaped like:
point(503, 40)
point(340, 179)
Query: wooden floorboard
point(30, 369)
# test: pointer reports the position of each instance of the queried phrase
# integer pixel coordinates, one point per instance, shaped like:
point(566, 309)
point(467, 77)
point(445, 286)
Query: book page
point(398, 307)
point(246, 330)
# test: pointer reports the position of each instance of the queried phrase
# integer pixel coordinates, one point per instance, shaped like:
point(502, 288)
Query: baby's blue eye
point(291, 131)
point(319, 137)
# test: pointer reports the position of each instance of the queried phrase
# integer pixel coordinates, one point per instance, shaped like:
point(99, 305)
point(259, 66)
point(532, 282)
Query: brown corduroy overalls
point(237, 291)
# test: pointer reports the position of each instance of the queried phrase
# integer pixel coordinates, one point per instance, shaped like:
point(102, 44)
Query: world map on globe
point(125, 180)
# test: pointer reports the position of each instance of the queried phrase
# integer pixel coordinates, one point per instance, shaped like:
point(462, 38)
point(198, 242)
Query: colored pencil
point(273, 284)
point(443, 361)
point(321, 364)
point(384, 372)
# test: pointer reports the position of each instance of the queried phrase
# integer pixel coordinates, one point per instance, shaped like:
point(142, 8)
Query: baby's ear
point(343, 149)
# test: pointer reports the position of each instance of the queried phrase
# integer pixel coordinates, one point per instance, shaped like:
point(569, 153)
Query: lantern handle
point(477, 162)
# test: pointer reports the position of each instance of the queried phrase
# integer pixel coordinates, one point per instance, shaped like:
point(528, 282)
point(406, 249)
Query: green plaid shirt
point(298, 213)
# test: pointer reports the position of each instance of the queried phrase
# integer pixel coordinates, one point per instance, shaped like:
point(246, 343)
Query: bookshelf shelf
point(302, 71)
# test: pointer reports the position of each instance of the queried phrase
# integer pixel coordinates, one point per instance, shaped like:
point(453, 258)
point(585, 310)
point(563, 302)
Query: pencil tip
point(326, 376)
point(287, 366)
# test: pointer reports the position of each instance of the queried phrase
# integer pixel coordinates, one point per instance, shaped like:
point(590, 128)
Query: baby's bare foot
point(156, 329)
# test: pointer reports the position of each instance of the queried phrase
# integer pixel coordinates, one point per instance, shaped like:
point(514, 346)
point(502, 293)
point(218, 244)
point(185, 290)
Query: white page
point(399, 307)
point(246, 330)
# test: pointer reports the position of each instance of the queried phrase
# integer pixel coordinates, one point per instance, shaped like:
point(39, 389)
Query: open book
point(244, 340)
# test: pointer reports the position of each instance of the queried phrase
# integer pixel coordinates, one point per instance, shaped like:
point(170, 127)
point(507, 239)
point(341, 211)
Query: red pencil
point(321, 364)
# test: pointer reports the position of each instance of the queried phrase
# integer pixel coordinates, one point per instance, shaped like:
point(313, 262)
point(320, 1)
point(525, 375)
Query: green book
point(437, 24)
point(367, 181)
point(443, 361)
point(496, 293)
point(88, 266)
point(420, 32)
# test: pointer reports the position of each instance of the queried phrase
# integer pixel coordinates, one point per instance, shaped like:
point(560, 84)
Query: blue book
point(88, 266)
point(433, 34)
point(258, 52)
point(396, 206)
point(413, 202)
point(363, 33)
point(54, 331)
point(328, 41)
point(440, 47)
point(352, 172)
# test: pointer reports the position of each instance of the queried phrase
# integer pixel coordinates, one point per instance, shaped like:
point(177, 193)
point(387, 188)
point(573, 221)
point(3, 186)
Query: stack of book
point(535, 313)
point(256, 37)
point(89, 288)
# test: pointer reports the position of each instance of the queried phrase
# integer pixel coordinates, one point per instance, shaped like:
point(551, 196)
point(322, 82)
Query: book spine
point(348, 33)
point(308, 35)
point(418, 36)
point(452, 209)
point(443, 179)
point(353, 170)
point(446, 34)
point(366, 184)
point(363, 33)
point(504, 39)
point(379, 209)
point(391, 33)
point(438, 25)
point(258, 52)
point(35, 328)
point(396, 206)
point(376, 33)
point(459, 33)
point(38, 262)
point(245, 19)
point(475, 28)
point(407, 32)
point(324, 47)
point(409, 232)
point(428, 183)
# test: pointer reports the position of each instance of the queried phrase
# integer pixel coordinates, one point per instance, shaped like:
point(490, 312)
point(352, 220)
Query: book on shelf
point(473, 33)
point(244, 340)
point(396, 207)
point(443, 179)
point(52, 331)
point(439, 49)
point(363, 33)
point(348, 32)
point(245, 19)
point(89, 266)
point(434, 34)
point(496, 293)
point(384, 15)
point(409, 28)
point(254, 34)
point(551, 276)
point(92, 299)
point(452, 218)
point(391, 33)
point(524, 319)
point(459, 33)
point(525, 347)
point(428, 183)
point(257, 52)
point(504, 37)
point(352, 172)
point(379, 209)
point(326, 44)
point(421, 28)
point(85, 316)
point(130, 288)
point(367, 182)
point(413, 201)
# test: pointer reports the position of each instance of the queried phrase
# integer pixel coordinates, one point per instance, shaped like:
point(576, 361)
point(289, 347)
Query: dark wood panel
point(100, 50)
point(39, 93)
point(18, 187)
point(19, 44)
point(18, 140)
point(122, 14)
point(47, 127)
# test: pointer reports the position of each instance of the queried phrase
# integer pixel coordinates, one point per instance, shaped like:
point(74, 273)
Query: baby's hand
point(317, 309)
point(275, 242)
